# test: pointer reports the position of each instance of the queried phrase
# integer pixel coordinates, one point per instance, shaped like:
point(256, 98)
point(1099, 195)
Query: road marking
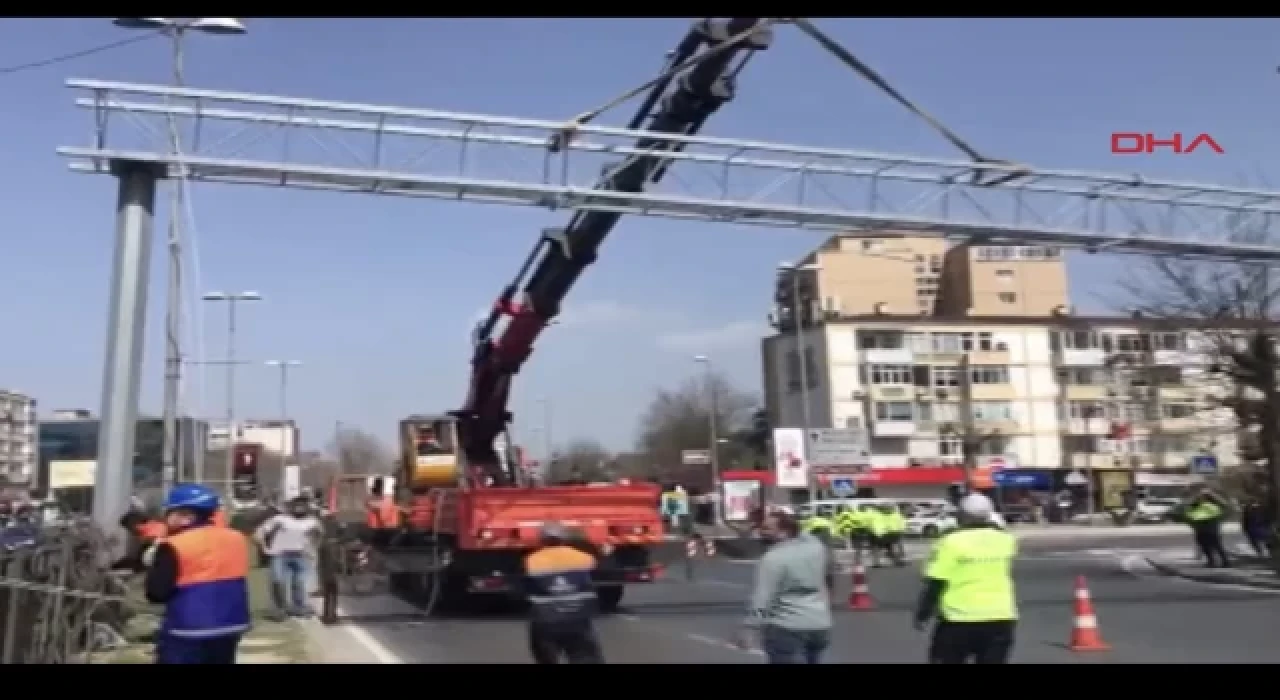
point(723, 644)
point(1137, 566)
point(380, 652)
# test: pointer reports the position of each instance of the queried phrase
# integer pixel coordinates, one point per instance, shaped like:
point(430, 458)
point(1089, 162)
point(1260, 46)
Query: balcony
point(893, 428)
point(990, 357)
point(1190, 424)
point(1004, 426)
point(1175, 358)
point(1086, 426)
point(1096, 460)
point(1087, 392)
point(1177, 392)
point(993, 392)
point(893, 392)
point(1076, 357)
point(888, 356)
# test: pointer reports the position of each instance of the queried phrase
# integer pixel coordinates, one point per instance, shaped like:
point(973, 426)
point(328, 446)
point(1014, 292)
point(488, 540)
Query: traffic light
point(246, 458)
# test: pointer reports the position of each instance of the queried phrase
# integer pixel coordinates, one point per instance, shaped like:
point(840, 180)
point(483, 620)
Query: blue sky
point(376, 295)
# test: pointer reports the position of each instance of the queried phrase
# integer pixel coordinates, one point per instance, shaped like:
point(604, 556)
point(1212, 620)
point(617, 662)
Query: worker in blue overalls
point(199, 572)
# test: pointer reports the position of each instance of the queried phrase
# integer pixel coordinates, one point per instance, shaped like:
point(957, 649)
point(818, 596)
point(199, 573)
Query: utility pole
point(799, 311)
point(284, 366)
point(232, 300)
point(171, 452)
point(713, 437)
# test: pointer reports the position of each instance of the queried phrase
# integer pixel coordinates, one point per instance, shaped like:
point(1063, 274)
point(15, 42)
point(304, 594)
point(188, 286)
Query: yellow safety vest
point(879, 523)
point(1204, 510)
point(977, 567)
point(896, 522)
point(846, 522)
point(817, 524)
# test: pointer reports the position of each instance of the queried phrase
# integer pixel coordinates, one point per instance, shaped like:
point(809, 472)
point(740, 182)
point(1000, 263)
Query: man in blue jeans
point(791, 603)
point(289, 539)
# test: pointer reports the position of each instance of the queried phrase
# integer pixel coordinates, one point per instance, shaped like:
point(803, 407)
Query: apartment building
point(1099, 397)
point(17, 436)
point(275, 436)
point(904, 274)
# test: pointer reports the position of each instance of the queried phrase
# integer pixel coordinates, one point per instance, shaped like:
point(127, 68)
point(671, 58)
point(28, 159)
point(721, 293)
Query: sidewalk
point(268, 642)
point(1248, 570)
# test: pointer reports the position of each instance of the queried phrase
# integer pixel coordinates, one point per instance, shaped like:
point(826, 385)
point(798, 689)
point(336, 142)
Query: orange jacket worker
point(199, 572)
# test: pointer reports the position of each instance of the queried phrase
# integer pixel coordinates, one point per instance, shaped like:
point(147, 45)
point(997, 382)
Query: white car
point(930, 523)
point(1155, 510)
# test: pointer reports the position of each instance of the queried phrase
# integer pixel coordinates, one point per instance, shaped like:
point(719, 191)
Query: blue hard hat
point(193, 497)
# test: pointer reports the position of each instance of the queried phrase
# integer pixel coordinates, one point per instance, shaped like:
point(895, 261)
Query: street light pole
point(798, 322)
point(232, 299)
point(712, 436)
point(171, 453)
point(283, 366)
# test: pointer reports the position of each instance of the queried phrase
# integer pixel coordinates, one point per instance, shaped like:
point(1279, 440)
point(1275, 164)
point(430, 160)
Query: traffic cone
point(1084, 629)
point(860, 596)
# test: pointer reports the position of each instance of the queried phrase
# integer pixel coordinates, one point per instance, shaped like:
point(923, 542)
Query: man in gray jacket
point(791, 603)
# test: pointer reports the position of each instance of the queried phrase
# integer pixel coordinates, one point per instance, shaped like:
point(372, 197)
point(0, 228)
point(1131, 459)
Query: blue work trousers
point(182, 650)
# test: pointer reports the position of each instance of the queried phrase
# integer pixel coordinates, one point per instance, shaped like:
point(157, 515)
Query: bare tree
point(587, 460)
point(358, 452)
point(1235, 302)
point(680, 419)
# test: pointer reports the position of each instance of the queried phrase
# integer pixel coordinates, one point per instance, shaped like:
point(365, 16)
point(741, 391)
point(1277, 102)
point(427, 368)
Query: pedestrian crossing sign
point(843, 487)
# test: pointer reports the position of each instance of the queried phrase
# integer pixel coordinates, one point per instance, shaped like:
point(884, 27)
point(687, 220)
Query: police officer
point(1204, 513)
point(199, 572)
point(878, 526)
point(968, 586)
point(821, 527)
point(846, 521)
point(562, 601)
point(895, 527)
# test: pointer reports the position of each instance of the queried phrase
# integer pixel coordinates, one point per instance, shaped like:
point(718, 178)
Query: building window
point(947, 342)
point(1168, 341)
point(1005, 276)
point(868, 340)
point(1086, 410)
point(1008, 297)
point(890, 374)
point(1080, 444)
point(992, 411)
point(1177, 410)
point(1087, 376)
point(894, 411)
point(989, 374)
point(945, 377)
point(935, 264)
point(950, 447)
point(871, 245)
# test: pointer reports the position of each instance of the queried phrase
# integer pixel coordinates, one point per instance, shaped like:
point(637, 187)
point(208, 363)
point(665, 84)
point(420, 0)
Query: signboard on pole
point(740, 498)
point(1204, 464)
point(844, 488)
point(839, 447)
point(695, 457)
point(790, 465)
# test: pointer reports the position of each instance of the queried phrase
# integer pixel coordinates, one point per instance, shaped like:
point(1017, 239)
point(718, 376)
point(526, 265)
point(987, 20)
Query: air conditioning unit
point(1002, 347)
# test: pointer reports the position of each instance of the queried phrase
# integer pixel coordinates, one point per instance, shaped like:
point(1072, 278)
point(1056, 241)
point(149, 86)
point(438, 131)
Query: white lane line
point(1137, 566)
point(378, 650)
point(722, 644)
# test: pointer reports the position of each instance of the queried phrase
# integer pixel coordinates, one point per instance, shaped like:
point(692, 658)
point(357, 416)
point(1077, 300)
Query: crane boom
point(533, 298)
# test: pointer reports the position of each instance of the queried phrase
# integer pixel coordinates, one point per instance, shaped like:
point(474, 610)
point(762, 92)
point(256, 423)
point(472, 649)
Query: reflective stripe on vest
point(212, 595)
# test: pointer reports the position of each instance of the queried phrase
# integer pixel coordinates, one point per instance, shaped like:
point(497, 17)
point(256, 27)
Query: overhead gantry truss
point(313, 144)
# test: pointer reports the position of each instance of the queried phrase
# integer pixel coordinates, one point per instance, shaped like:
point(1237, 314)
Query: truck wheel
point(930, 531)
point(608, 598)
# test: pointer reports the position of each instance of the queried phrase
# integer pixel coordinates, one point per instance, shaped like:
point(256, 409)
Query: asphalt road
point(1144, 617)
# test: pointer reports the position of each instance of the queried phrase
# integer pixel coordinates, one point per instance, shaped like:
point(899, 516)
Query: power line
point(79, 54)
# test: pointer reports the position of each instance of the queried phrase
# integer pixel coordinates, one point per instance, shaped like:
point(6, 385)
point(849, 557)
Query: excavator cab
point(430, 454)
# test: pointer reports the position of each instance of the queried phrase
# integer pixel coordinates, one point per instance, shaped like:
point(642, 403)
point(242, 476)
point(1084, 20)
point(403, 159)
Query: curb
point(1214, 577)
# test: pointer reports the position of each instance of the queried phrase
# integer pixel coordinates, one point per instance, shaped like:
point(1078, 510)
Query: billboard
point(790, 465)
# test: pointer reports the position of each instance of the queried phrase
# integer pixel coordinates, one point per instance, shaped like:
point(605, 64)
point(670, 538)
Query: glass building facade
point(78, 440)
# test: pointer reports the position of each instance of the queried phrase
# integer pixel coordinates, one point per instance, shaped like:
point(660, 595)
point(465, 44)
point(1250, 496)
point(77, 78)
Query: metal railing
point(59, 603)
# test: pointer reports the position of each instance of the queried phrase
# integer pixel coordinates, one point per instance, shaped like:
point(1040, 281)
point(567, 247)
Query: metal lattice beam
point(280, 141)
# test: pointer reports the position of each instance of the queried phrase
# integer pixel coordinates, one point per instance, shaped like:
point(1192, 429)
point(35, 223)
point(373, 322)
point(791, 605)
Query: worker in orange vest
point(200, 574)
point(381, 512)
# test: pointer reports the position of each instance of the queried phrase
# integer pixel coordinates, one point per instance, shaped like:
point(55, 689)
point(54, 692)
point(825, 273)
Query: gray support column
point(127, 315)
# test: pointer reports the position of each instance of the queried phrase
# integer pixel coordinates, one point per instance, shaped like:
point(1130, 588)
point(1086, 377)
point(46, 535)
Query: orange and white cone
point(860, 595)
point(1084, 629)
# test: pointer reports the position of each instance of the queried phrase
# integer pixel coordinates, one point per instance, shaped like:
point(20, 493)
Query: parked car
point(930, 523)
point(1156, 510)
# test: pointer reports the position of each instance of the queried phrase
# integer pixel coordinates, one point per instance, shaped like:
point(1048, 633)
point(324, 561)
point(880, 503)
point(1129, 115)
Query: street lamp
point(232, 299)
point(284, 366)
point(794, 271)
point(712, 437)
point(176, 29)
